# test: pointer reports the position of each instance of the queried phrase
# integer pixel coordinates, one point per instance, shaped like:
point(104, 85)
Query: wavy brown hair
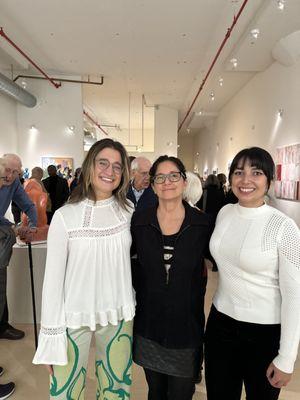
point(84, 189)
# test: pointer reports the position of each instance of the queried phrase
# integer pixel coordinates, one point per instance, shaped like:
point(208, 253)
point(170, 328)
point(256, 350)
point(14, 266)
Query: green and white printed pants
point(113, 361)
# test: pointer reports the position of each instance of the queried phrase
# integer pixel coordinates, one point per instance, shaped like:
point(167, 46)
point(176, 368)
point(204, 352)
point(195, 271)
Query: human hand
point(276, 377)
point(26, 233)
point(49, 368)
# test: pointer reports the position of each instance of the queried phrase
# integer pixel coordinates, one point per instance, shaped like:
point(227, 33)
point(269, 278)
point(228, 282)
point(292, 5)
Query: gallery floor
point(32, 381)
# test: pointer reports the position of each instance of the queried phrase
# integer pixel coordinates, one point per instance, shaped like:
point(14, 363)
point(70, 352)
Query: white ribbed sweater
point(258, 255)
point(88, 274)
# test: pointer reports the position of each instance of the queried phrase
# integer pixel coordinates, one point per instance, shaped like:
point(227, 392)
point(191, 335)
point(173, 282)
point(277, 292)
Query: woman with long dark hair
point(253, 329)
point(87, 286)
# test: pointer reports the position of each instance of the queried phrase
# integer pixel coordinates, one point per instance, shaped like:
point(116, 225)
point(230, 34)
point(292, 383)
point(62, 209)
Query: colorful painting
point(287, 183)
point(64, 165)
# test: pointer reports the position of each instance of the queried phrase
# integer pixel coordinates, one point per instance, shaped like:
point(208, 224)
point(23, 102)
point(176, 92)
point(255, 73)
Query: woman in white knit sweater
point(87, 287)
point(253, 329)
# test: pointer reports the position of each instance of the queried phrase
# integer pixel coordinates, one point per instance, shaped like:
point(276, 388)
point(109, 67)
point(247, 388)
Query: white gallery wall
point(251, 119)
point(8, 125)
point(56, 110)
point(165, 134)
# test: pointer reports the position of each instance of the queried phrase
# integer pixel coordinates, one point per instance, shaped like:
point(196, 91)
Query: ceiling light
point(254, 33)
point(199, 112)
point(188, 130)
point(33, 128)
point(71, 128)
point(280, 112)
point(169, 143)
point(24, 84)
point(234, 62)
point(212, 96)
point(221, 80)
point(139, 149)
point(280, 4)
point(178, 146)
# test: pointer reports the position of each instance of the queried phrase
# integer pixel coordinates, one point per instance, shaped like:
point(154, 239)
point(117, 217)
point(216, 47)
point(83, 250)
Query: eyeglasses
point(103, 164)
point(172, 177)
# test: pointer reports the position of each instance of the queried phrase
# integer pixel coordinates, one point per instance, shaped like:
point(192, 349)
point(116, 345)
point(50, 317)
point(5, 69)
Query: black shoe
point(6, 390)
point(12, 333)
point(1, 371)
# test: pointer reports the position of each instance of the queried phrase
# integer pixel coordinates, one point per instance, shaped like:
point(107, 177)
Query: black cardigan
point(171, 314)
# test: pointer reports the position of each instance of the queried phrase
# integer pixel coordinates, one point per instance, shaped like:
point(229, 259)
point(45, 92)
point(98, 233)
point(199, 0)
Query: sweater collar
point(251, 212)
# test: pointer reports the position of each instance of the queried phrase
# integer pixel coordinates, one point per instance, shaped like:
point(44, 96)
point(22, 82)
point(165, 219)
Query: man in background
point(12, 190)
point(58, 190)
point(140, 191)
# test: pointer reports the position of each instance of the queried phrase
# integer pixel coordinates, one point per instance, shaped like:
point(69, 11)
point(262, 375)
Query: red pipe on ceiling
point(3, 34)
point(94, 122)
point(228, 33)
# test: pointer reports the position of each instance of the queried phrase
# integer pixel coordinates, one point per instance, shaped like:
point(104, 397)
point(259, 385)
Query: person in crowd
point(253, 329)
point(222, 181)
point(169, 241)
point(75, 181)
point(58, 190)
point(140, 191)
point(12, 190)
point(87, 286)
point(192, 194)
point(5, 389)
point(212, 200)
point(15, 210)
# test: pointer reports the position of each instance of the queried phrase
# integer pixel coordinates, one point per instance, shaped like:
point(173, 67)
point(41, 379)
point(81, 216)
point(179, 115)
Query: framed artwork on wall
point(287, 180)
point(64, 165)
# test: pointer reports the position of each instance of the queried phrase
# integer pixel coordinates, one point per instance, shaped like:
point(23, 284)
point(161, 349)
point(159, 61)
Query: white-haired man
point(12, 190)
point(140, 191)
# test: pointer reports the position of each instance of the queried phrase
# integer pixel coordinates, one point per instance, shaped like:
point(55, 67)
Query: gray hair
point(193, 190)
point(135, 164)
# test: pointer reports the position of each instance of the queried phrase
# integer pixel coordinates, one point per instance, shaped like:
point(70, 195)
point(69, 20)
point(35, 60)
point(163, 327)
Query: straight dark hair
point(258, 158)
point(174, 160)
point(84, 189)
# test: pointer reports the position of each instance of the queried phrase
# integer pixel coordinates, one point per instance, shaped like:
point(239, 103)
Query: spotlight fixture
point(32, 128)
point(221, 80)
point(188, 130)
point(280, 112)
point(71, 128)
point(254, 33)
point(24, 84)
point(212, 96)
point(200, 112)
point(234, 62)
point(178, 146)
point(170, 144)
point(280, 5)
point(197, 154)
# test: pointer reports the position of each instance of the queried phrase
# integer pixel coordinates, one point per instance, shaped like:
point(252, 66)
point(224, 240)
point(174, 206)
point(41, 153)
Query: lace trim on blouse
point(53, 331)
point(96, 233)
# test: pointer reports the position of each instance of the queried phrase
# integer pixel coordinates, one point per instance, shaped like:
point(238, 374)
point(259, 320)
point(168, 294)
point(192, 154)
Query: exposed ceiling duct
point(13, 90)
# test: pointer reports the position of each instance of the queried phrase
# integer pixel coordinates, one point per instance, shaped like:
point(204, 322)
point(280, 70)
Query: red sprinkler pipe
point(94, 122)
point(228, 33)
point(57, 85)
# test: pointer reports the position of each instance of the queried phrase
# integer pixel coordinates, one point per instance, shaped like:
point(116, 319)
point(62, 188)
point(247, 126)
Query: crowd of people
point(134, 237)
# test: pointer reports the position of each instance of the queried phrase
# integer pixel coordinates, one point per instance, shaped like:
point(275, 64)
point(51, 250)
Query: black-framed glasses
point(103, 164)
point(172, 177)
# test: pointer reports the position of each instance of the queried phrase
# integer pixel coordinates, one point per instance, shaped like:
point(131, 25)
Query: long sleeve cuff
point(52, 347)
point(285, 364)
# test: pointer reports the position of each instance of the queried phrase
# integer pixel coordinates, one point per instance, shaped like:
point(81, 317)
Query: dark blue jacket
point(147, 200)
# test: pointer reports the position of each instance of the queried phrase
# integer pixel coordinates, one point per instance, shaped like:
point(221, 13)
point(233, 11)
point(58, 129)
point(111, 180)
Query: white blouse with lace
point(88, 274)
point(258, 255)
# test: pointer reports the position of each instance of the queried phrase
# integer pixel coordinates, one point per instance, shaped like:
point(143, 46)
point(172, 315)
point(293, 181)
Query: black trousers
point(167, 387)
point(3, 300)
point(239, 352)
